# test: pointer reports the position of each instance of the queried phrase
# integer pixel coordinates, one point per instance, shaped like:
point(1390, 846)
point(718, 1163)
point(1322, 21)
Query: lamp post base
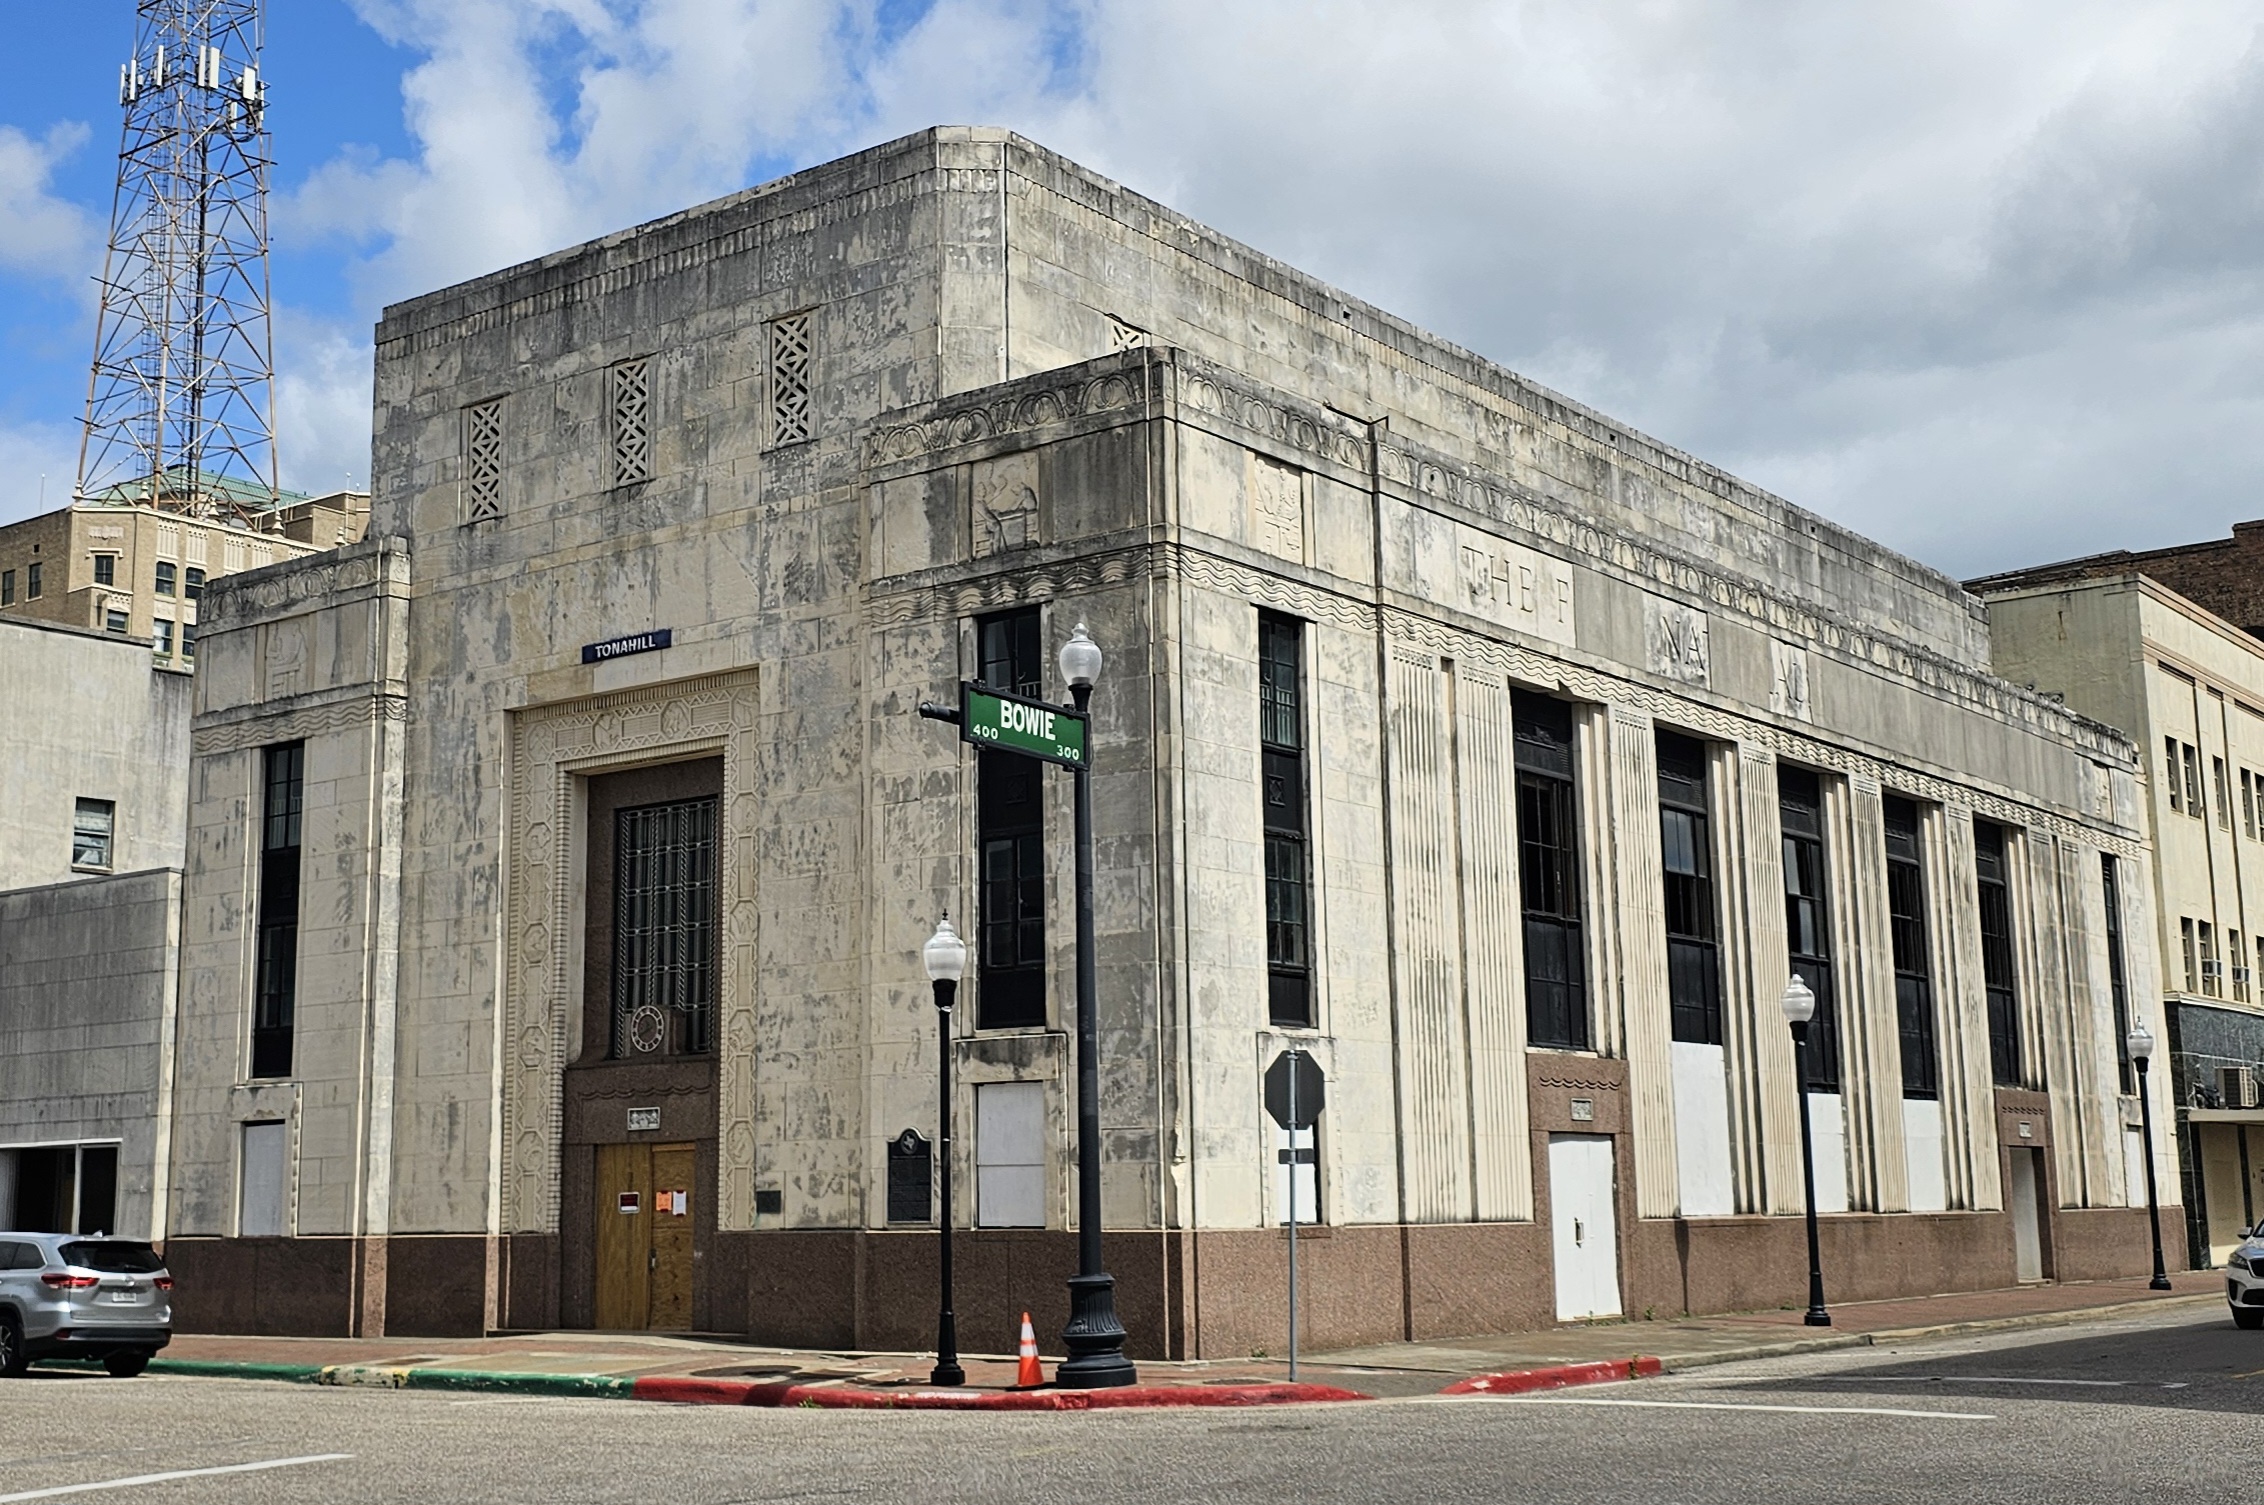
point(2158, 1283)
point(1817, 1317)
point(947, 1374)
point(1094, 1338)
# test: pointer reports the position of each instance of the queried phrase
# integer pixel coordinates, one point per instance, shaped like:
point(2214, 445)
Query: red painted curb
point(1557, 1376)
point(684, 1390)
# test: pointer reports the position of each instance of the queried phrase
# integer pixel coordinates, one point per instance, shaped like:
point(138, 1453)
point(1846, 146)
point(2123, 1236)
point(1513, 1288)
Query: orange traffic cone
point(1030, 1374)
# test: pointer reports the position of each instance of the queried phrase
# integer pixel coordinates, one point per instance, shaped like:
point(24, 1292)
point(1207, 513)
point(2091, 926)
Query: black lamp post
point(946, 958)
point(1799, 1006)
point(2141, 1047)
point(1094, 1336)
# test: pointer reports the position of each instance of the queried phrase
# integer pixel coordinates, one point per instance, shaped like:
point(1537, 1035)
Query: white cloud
point(1987, 282)
point(40, 233)
point(322, 403)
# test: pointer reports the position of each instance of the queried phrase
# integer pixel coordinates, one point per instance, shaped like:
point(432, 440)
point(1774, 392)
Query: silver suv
point(68, 1295)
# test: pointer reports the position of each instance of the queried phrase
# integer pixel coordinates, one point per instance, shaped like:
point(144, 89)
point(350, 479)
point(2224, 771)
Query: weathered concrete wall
point(89, 717)
point(88, 971)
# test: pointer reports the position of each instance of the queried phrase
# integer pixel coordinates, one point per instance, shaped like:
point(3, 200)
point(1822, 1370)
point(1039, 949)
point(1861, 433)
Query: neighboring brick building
point(138, 571)
point(2224, 575)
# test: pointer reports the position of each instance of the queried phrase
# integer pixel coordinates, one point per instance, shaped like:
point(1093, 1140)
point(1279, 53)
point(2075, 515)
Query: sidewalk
point(637, 1365)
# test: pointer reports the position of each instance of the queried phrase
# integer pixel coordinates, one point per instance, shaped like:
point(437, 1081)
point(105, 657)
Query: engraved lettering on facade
point(1675, 641)
point(1788, 681)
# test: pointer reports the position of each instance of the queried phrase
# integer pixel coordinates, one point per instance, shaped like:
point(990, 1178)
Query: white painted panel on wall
point(260, 1213)
point(1922, 1154)
point(1308, 1177)
point(1828, 1121)
point(2134, 1168)
point(1586, 1230)
point(1701, 1130)
point(1010, 1155)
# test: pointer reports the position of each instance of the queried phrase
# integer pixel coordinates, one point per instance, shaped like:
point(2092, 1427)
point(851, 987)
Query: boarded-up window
point(1010, 1160)
point(260, 1210)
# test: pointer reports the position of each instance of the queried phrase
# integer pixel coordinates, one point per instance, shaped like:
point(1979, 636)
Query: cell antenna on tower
point(178, 413)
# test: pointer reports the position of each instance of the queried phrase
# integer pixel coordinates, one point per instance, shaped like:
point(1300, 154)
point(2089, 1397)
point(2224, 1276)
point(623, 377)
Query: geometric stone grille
point(790, 379)
point(483, 461)
point(632, 432)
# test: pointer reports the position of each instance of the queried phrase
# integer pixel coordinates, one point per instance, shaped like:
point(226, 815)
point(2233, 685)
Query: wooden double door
point(644, 1235)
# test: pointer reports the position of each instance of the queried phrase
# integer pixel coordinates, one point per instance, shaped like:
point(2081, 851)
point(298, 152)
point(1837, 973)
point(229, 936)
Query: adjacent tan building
point(2189, 687)
point(560, 856)
point(139, 571)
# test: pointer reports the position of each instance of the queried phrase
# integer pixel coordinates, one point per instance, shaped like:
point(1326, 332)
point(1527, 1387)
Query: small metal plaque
point(911, 1178)
point(644, 1120)
point(1583, 1110)
point(629, 1203)
point(635, 642)
point(2027, 1129)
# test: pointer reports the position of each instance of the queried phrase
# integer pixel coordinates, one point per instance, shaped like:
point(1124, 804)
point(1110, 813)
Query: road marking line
point(178, 1473)
point(1710, 1405)
point(1964, 1379)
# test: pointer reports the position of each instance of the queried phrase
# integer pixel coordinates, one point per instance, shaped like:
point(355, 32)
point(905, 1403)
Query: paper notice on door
point(676, 1203)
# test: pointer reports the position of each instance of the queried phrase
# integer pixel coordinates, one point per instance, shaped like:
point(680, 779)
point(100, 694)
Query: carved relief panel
point(1277, 507)
point(1003, 495)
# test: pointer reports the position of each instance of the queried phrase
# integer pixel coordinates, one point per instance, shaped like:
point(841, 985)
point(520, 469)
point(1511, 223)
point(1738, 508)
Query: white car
point(2244, 1280)
point(67, 1297)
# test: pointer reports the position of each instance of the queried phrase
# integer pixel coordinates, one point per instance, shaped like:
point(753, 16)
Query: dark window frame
point(166, 578)
point(1548, 869)
point(1808, 919)
point(1912, 944)
point(1689, 894)
point(34, 576)
point(2000, 952)
point(93, 846)
point(106, 569)
point(666, 898)
point(275, 989)
point(1284, 814)
point(1010, 844)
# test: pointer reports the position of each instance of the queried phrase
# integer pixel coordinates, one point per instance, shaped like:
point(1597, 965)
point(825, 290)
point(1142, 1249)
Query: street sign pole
point(1294, 1051)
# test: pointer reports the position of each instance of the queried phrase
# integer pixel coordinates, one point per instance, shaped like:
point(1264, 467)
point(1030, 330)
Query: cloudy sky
point(1984, 280)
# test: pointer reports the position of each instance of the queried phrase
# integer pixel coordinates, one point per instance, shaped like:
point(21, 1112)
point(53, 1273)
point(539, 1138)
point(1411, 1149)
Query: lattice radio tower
point(178, 414)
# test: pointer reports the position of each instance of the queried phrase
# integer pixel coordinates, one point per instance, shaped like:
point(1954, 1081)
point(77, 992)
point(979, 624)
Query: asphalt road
point(2160, 1408)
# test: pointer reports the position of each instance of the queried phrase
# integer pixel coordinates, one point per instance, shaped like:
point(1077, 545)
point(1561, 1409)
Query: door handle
point(652, 1259)
point(1579, 1232)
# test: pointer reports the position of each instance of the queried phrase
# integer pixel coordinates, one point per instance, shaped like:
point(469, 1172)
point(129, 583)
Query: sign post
point(1295, 1092)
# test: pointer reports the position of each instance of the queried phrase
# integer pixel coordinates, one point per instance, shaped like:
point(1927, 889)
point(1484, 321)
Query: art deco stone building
point(1475, 740)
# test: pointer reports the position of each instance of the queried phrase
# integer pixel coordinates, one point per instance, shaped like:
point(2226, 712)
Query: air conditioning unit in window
point(2211, 968)
point(2240, 976)
point(2236, 1086)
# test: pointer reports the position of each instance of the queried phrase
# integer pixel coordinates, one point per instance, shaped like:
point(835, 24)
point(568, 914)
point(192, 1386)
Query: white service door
point(2022, 1202)
point(1010, 1155)
point(1587, 1233)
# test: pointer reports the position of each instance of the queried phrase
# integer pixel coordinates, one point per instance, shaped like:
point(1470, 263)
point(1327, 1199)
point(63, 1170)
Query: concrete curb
point(2066, 1318)
point(692, 1390)
point(1558, 1376)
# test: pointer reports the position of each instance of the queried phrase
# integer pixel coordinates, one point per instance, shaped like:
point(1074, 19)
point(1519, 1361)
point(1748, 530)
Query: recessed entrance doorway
point(644, 1236)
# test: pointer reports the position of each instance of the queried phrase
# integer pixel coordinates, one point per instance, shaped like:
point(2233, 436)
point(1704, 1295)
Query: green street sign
point(1019, 724)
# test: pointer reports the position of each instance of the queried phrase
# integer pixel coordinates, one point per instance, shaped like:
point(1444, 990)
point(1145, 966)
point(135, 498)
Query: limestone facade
point(822, 434)
point(2189, 687)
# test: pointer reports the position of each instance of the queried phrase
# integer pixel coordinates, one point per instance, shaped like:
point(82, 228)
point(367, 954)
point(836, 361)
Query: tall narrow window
point(2236, 955)
point(2212, 970)
point(664, 904)
point(483, 462)
point(1694, 986)
point(1281, 748)
point(31, 582)
point(7, 587)
point(162, 639)
point(2117, 988)
point(192, 584)
point(631, 409)
point(2192, 968)
point(2195, 805)
point(2248, 803)
point(2224, 803)
point(1998, 967)
point(1914, 959)
point(105, 569)
point(167, 573)
point(1010, 983)
point(1548, 866)
point(92, 825)
point(790, 411)
point(276, 988)
point(1808, 920)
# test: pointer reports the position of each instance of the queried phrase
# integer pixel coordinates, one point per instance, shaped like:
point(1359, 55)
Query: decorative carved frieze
point(297, 725)
point(1022, 409)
